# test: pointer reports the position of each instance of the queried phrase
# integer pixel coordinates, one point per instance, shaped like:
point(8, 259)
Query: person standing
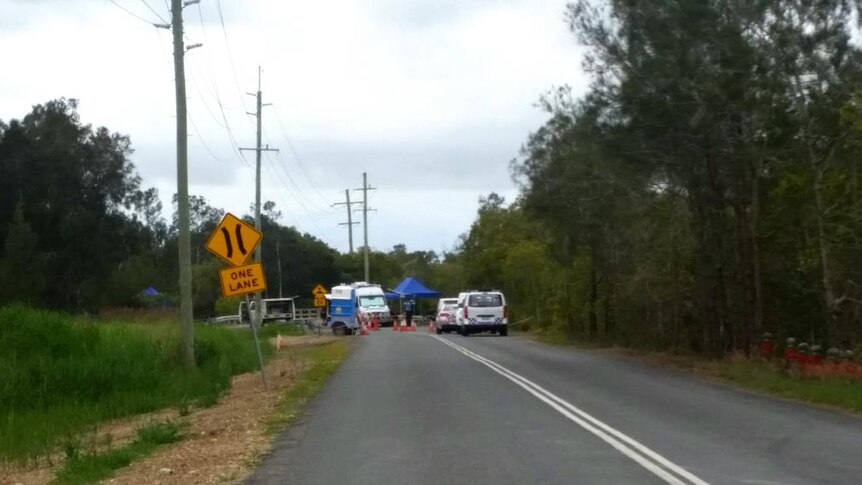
point(408, 311)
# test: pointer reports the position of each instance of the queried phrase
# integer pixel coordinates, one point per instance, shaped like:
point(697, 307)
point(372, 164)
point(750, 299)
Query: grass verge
point(323, 362)
point(61, 375)
point(841, 392)
point(91, 467)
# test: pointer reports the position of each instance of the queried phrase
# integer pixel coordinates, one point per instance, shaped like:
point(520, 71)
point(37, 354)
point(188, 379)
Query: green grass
point(834, 391)
point(60, 375)
point(91, 467)
point(324, 360)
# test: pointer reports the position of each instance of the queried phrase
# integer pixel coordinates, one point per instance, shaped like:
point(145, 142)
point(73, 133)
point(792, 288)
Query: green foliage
point(703, 191)
point(227, 305)
point(94, 466)
point(60, 374)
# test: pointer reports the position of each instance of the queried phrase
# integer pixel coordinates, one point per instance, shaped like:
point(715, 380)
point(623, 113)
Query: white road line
point(626, 445)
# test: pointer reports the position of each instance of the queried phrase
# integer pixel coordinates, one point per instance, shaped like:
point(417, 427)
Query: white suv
point(482, 311)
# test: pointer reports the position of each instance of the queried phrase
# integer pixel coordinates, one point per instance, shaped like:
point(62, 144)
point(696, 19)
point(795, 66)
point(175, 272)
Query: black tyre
point(464, 331)
point(504, 332)
point(439, 331)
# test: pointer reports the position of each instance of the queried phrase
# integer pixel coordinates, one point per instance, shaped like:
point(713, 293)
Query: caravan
point(371, 301)
point(348, 304)
point(343, 317)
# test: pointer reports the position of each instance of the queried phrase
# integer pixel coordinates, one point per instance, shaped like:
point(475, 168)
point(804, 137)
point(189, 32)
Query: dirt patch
point(222, 443)
point(302, 341)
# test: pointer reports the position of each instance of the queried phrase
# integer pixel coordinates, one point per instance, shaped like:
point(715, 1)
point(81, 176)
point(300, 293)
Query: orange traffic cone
point(375, 324)
point(363, 330)
point(431, 328)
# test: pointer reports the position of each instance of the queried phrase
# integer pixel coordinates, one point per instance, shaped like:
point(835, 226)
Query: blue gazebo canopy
point(150, 292)
point(415, 288)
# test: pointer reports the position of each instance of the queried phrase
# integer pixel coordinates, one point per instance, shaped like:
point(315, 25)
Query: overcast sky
point(432, 98)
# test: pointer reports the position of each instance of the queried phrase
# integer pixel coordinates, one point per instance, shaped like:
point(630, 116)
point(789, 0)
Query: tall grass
point(60, 374)
point(838, 391)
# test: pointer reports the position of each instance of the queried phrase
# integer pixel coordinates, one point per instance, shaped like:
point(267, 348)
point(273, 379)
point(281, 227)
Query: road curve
point(417, 408)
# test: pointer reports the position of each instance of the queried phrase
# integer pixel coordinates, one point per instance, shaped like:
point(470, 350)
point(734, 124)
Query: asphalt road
point(416, 408)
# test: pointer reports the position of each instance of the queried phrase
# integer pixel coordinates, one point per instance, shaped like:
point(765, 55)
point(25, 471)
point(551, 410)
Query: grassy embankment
point(61, 375)
point(324, 360)
point(84, 467)
point(821, 387)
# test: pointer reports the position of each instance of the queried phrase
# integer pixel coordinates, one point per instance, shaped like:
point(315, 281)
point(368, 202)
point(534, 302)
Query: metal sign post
point(251, 322)
point(233, 241)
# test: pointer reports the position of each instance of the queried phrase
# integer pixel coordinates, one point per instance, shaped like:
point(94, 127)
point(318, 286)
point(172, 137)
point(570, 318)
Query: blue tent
point(150, 292)
point(391, 295)
point(415, 288)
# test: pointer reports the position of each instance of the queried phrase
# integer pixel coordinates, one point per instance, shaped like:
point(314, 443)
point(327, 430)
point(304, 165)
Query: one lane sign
point(242, 280)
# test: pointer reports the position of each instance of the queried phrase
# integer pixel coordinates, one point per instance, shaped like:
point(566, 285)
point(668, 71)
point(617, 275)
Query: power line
point(296, 156)
point(133, 14)
point(313, 222)
point(297, 190)
point(295, 185)
point(203, 142)
point(154, 12)
point(230, 56)
point(349, 222)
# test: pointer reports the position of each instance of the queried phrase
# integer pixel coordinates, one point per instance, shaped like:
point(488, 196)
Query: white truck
point(371, 301)
point(274, 309)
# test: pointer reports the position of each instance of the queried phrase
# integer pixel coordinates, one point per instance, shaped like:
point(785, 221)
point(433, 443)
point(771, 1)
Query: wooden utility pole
point(365, 188)
point(184, 240)
point(258, 313)
point(349, 222)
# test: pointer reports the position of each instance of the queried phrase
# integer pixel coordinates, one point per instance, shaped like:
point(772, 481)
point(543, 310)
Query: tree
point(21, 265)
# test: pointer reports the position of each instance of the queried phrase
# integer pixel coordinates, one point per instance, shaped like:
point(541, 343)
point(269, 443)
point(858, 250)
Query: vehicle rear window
point(486, 300)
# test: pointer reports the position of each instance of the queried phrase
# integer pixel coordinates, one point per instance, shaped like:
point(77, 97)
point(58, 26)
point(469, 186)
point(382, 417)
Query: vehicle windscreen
point(368, 301)
point(448, 308)
point(486, 300)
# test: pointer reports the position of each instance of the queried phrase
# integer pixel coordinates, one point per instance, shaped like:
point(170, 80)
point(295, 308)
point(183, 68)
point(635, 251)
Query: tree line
point(703, 191)
point(80, 232)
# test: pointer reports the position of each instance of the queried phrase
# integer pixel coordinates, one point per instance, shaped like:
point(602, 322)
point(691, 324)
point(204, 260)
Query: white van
point(372, 302)
point(482, 311)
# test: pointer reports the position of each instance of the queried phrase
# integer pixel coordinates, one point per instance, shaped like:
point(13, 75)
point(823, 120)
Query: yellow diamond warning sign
point(319, 293)
point(242, 279)
point(234, 240)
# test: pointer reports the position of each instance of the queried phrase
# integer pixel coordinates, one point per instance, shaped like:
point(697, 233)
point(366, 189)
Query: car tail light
point(465, 312)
